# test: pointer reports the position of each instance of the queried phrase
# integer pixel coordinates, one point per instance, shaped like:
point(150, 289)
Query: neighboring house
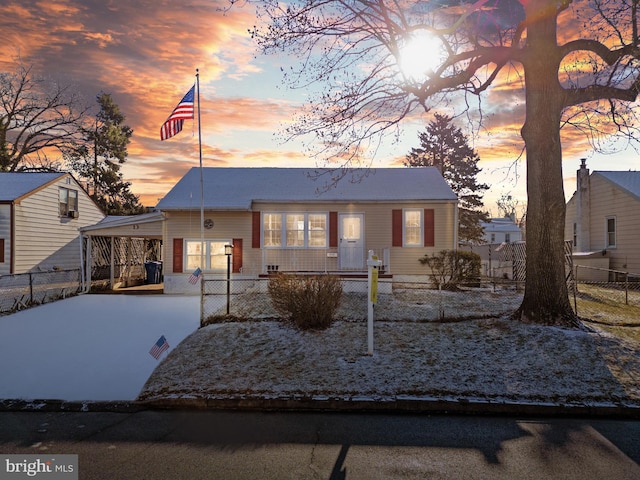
point(603, 219)
point(280, 219)
point(501, 230)
point(40, 214)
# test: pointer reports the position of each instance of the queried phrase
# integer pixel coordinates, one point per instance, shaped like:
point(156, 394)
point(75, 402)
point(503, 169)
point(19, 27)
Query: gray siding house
point(40, 214)
point(603, 219)
point(280, 219)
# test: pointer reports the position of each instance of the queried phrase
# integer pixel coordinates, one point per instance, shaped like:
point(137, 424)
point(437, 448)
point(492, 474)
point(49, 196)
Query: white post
point(372, 295)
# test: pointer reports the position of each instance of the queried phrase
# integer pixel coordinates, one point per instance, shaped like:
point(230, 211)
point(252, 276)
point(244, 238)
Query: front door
point(351, 241)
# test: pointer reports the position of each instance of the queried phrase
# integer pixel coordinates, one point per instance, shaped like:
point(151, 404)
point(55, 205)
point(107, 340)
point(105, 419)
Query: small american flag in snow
point(195, 276)
point(183, 111)
point(160, 346)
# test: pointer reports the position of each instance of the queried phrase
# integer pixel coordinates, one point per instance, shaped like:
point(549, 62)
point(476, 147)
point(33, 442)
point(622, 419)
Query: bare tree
point(37, 117)
point(352, 49)
point(508, 207)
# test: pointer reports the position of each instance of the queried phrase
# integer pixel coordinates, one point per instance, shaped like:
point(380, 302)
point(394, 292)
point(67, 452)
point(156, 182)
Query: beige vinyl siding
point(404, 260)
point(227, 226)
point(377, 233)
point(44, 240)
point(5, 234)
point(607, 200)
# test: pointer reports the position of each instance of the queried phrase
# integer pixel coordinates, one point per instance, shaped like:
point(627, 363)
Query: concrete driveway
point(90, 347)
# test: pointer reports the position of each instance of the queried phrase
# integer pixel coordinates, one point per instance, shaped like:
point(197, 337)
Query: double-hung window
point(272, 226)
point(317, 229)
point(214, 257)
point(413, 228)
point(611, 232)
point(68, 201)
point(295, 230)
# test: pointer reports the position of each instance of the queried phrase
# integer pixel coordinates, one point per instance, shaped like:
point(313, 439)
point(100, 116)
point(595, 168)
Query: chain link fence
point(397, 301)
point(606, 296)
point(23, 290)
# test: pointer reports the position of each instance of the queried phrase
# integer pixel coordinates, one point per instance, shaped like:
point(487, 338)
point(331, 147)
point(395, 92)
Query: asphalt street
point(152, 444)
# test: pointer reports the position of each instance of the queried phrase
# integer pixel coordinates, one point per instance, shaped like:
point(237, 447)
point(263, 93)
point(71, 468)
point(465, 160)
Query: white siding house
point(501, 230)
point(280, 219)
point(40, 214)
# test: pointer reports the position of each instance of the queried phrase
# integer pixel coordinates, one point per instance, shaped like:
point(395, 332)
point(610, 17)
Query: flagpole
point(202, 264)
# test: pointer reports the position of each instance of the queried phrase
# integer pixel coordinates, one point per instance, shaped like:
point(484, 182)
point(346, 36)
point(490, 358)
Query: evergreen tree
point(444, 146)
point(101, 156)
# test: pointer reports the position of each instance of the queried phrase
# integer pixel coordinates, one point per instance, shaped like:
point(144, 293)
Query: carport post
point(111, 262)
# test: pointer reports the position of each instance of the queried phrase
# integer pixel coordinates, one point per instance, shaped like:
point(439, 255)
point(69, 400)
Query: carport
point(119, 251)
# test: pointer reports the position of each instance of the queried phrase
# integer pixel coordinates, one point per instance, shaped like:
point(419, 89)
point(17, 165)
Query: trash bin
point(154, 272)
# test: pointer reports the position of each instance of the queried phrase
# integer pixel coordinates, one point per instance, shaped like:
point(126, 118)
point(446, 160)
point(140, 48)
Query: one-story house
point(603, 220)
point(40, 214)
point(284, 220)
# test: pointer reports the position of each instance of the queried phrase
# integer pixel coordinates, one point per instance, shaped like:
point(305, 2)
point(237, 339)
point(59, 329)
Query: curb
point(460, 406)
point(397, 406)
point(52, 405)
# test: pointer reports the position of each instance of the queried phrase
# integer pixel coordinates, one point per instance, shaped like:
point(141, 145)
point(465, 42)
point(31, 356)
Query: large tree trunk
point(546, 298)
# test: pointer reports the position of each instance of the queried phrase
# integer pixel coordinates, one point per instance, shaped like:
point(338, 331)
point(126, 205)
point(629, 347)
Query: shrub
point(451, 268)
point(309, 301)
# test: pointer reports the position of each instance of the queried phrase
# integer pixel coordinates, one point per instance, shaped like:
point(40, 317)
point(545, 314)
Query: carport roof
point(115, 222)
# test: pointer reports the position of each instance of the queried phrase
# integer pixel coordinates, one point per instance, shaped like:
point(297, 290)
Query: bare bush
point(309, 301)
point(451, 268)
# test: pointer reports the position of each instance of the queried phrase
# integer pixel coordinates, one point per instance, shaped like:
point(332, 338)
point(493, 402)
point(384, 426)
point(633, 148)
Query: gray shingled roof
point(238, 188)
point(629, 181)
point(14, 185)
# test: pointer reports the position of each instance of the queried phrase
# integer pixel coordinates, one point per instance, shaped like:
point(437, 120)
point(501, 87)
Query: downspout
point(12, 239)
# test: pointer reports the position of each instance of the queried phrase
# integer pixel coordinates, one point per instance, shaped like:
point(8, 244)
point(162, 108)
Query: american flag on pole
point(160, 346)
point(195, 276)
point(182, 112)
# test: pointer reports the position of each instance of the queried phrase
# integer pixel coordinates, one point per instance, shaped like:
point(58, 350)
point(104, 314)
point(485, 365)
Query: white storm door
point(351, 241)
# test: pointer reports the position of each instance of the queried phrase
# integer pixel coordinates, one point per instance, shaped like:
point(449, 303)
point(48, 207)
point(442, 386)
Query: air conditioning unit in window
point(72, 214)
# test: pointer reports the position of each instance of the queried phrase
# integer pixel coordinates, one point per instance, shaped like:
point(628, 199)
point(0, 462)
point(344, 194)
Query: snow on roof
point(238, 188)
point(629, 181)
point(500, 225)
point(14, 185)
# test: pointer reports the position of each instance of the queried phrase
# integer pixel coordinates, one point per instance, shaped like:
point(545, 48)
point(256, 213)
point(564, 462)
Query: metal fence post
point(202, 290)
point(626, 288)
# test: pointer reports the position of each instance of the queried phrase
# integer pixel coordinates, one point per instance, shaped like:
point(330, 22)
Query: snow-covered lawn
point(96, 347)
point(495, 359)
point(89, 347)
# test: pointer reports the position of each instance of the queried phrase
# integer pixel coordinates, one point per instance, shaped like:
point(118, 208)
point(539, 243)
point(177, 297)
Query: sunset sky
point(145, 54)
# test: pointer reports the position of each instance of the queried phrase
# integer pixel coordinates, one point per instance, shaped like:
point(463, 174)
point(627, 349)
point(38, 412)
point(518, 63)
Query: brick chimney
point(583, 210)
